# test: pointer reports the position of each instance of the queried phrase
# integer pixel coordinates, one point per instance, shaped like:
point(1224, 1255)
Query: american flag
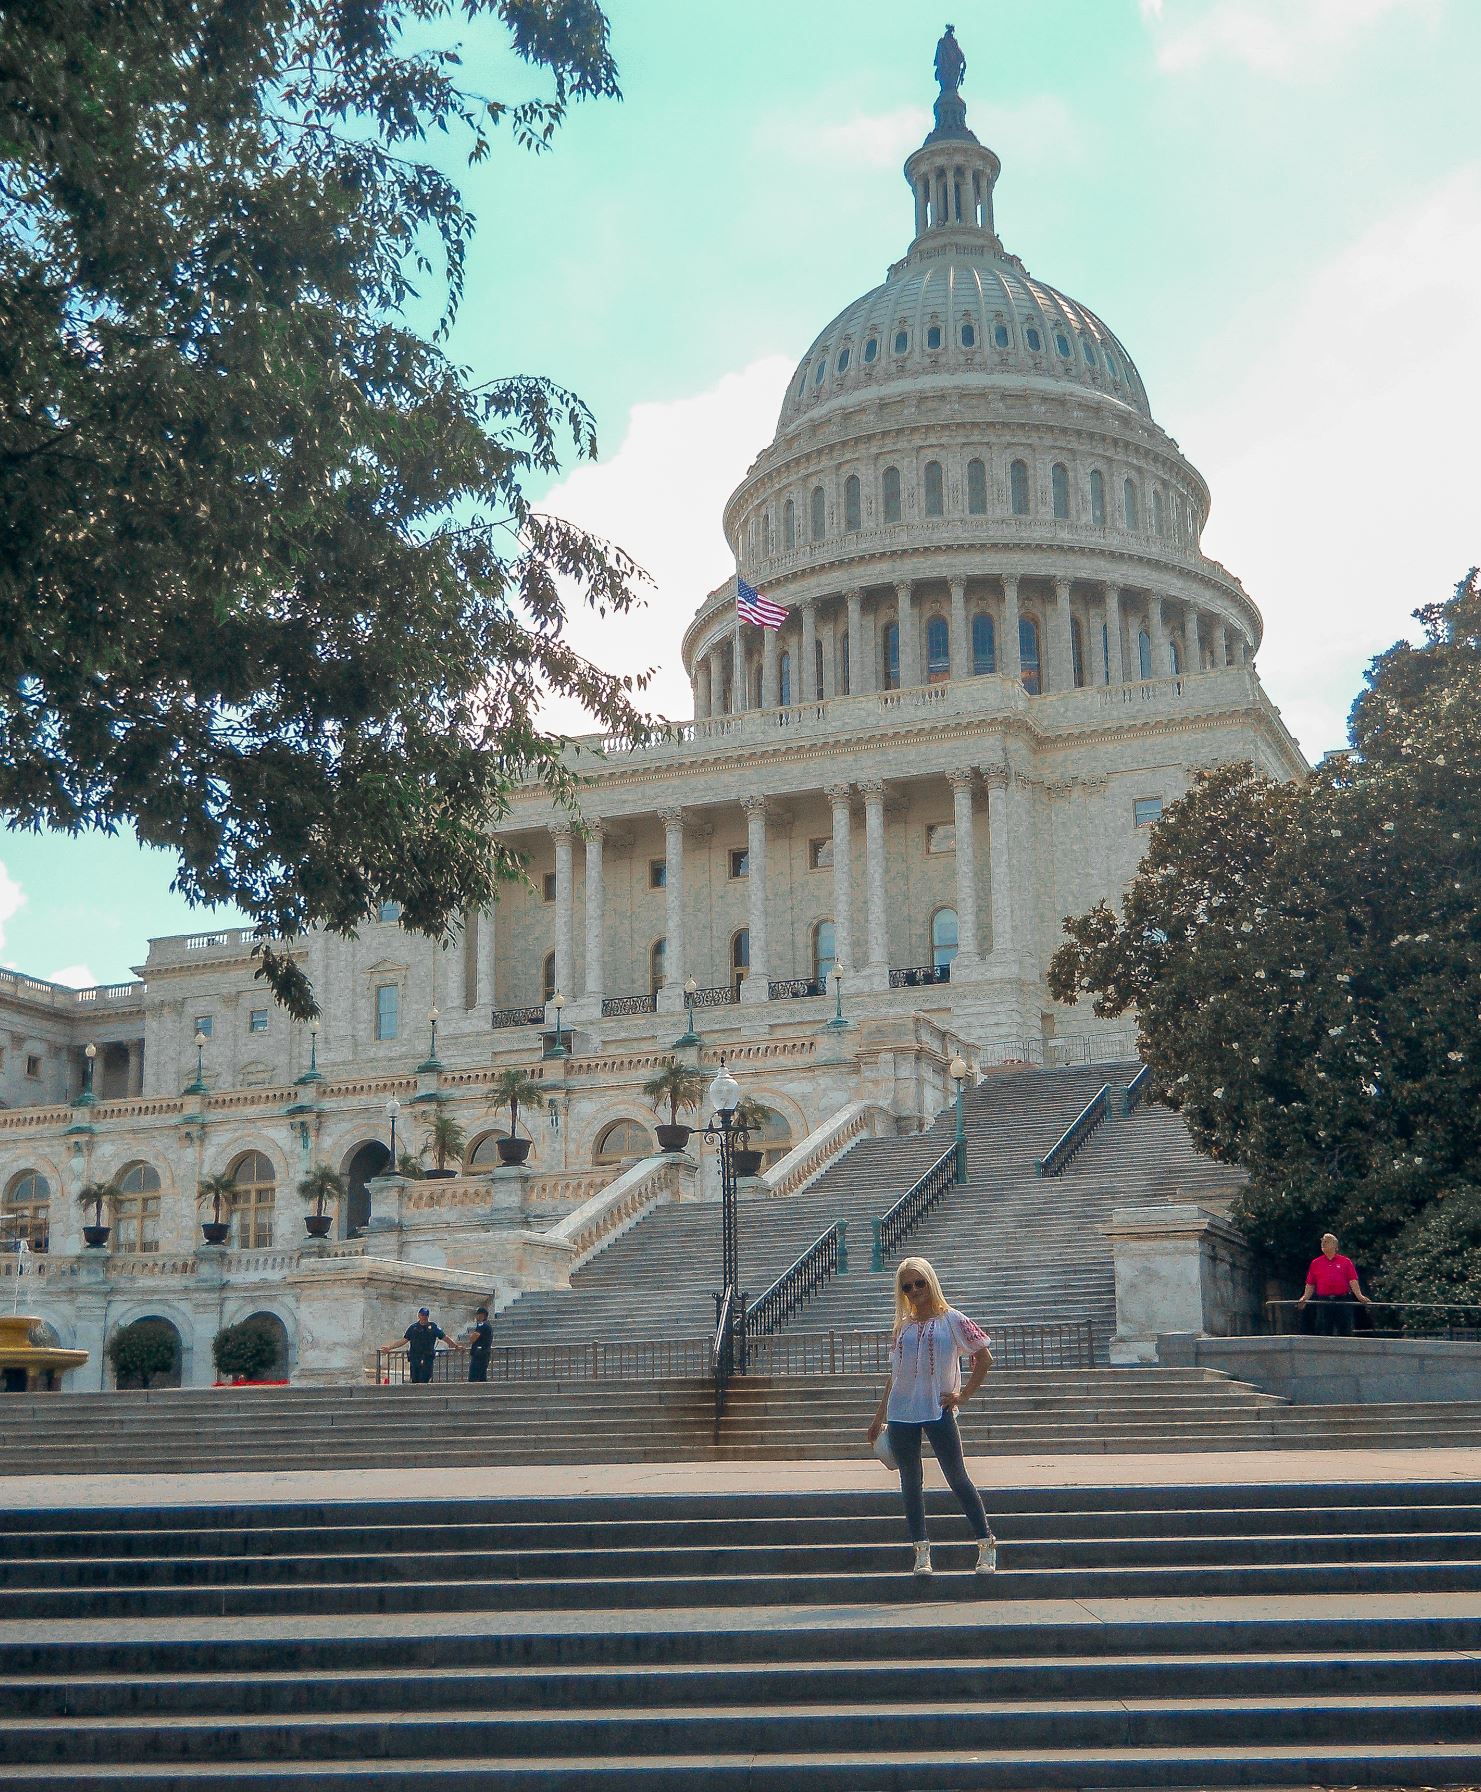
point(751, 606)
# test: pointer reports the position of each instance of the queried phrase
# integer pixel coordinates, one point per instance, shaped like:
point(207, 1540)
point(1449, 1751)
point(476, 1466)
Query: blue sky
point(1275, 203)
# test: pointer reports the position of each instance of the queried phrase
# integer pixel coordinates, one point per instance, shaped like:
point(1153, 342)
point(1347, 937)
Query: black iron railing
point(612, 1005)
point(824, 1258)
point(914, 976)
point(392, 1367)
point(785, 989)
point(726, 1360)
point(1061, 1153)
point(1137, 1090)
point(893, 1226)
point(518, 1017)
point(1066, 1344)
point(1458, 1321)
point(725, 996)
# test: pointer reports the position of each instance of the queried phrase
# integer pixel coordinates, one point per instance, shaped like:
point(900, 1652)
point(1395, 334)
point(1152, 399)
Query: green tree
point(250, 1349)
point(142, 1350)
point(514, 1088)
point(443, 1137)
point(271, 589)
point(676, 1087)
point(1304, 960)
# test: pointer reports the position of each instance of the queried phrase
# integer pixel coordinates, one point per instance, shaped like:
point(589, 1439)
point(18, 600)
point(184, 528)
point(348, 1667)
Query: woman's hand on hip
point(949, 1403)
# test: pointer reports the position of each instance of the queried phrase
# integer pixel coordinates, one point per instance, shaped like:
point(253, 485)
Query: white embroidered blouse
point(926, 1363)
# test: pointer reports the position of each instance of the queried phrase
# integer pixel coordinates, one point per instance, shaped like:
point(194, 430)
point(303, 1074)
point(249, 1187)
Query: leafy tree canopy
point(1304, 960)
point(271, 590)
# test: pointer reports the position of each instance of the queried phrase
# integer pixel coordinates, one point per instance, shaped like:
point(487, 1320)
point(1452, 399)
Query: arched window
point(824, 952)
point(1097, 498)
point(943, 937)
point(935, 491)
point(252, 1204)
point(1159, 515)
point(902, 341)
point(136, 1211)
point(547, 977)
point(871, 349)
point(1062, 343)
point(363, 1165)
point(26, 1209)
point(817, 671)
point(889, 493)
point(817, 513)
point(1018, 487)
point(1032, 337)
point(844, 684)
point(938, 650)
point(1059, 480)
point(1144, 654)
point(1175, 655)
point(657, 965)
point(977, 487)
point(623, 1142)
point(1000, 335)
point(773, 1139)
point(789, 524)
point(765, 531)
point(1077, 651)
point(841, 365)
point(984, 644)
point(784, 681)
point(740, 959)
point(853, 508)
point(1129, 503)
point(933, 336)
point(1028, 654)
point(892, 656)
point(969, 335)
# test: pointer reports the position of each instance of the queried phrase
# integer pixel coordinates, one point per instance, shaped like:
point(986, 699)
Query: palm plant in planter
point(99, 1196)
point(321, 1186)
point(445, 1139)
point(680, 1089)
point(409, 1165)
point(515, 1089)
point(751, 1116)
point(217, 1193)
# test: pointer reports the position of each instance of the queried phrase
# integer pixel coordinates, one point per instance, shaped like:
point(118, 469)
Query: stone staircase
point(1133, 1637)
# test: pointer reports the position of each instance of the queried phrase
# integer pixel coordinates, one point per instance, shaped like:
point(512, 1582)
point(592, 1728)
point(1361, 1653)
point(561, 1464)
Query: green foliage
point(217, 1193)
point(409, 1165)
point(443, 1137)
point(250, 1349)
point(1437, 1257)
point(142, 1351)
point(752, 1114)
point(676, 1087)
point(1305, 960)
point(321, 1188)
point(100, 1196)
point(514, 1089)
point(271, 589)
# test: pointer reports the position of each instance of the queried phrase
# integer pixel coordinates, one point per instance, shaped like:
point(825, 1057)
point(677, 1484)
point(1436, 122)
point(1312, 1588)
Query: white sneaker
point(987, 1555)
point(923, 1559)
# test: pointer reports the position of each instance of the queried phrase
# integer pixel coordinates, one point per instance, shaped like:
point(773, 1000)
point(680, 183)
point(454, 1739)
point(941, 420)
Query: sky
point(1276, 204)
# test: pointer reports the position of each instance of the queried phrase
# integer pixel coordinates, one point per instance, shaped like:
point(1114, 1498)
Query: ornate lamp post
point(727, 1138)
point(393, 1114)
point(311, 1075)
point(958, 1072)
point(198, 1087)
point(433, 1016)
point(837, 974)
point(89, 1055)
point(558, 1002)
point(688, 1036)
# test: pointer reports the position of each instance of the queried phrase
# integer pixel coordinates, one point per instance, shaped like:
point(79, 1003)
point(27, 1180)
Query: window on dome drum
point(1145, 810)
point(1028, 654)
point(1077, 652)
point(853, 505)
point(933, 336)
point(547, 887)
point(819, 855)
point(205, 1023)
point(817, 512)
point(941, 837)
point(1159, 516)
point(252, 1204)
point(843, 665)
point(389, 911)
point(657, 961)
point(623, 1142)
point(1062, 343)
point(977, 488)
point(1018, 487)
point(944, 937)
point(817, 671)
point(1059, 481)
point(892, 656)
point(1089, 353)
point(1129, 505)
point(890, 494)
point(935, 494)
point(789, 524)
point(818, 372)
point(969, 336)
point(26, 1209)
point(784, 681)
point(938, 650)
point(740, 862)
point(387, 1011)
point(658, 874)
point(1111, 367)
point(1097, 498)
point(1000, 335)
point(547, 977)
point(1143, 654)
point(843, 360)
point(740, 958)
point(984, 646)
point(33, 1066)
point(902, 341)
point(1032, 337)
point(871, 349)
point(136, 1211)
point(824, 953)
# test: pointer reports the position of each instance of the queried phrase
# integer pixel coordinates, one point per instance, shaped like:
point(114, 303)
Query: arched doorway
point(272, 1327)
point(146, 1353)
point(364, 1163)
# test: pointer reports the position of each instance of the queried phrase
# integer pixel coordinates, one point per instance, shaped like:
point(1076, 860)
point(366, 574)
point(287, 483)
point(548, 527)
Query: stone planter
point(95, 1237)
point(318, 1225)
point(443, 1175)
point(215, 1231)
point(673, 1138)
point(513, 1151)
point(748, 1163)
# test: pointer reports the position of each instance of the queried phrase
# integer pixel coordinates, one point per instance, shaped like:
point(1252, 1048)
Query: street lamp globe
point(724, 1091)
point(958, 1068)
point(200, 1042)
point(89, 1052)
point(691, 988)
point(557, 1001)
point(393, 1110)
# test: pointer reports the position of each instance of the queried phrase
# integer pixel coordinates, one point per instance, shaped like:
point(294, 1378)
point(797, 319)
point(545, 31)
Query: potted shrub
point(321, 1186)
point(445, 1139)
point(100, 1196)
point(143, 1352)
point(515, 1089)
point(680, 1089)
point(247, 1351)
point(217, 1193)
point(751, 1116)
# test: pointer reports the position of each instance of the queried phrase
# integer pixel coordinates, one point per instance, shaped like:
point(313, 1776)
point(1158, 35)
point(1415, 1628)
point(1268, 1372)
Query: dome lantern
point(952, 175)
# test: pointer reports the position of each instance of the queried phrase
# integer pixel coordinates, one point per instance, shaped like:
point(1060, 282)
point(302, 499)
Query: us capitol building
point(1003, 651)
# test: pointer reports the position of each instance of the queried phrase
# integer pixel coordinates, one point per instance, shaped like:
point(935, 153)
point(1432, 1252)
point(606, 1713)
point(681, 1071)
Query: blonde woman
point(925, 1391)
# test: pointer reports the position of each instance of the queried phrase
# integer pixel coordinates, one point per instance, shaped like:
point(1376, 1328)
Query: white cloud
point(1341, 449)
point(1272, 37)
point(12, 896)
point(1042, 124)
point(73, 976)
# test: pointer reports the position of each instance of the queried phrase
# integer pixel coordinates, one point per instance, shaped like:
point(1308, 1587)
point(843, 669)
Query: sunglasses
point(910, 1287)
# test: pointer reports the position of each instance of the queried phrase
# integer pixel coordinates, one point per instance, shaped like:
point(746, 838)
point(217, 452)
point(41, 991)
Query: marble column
point(909, 650)
point(874, 868)
point(756, 987)
point(961, 643)
point(966, 864)
point(1192, 645)
point(702, 689)
point(805, 677)
point(843, 875)
point(1009, 662)
point(998, 780)
point(1111, 621)
point(830, 664)
point(1064, 651)
point(738, 693)
point(595, 905)
point(565, 935)
point(858, 665)
point(487, 922)
point(1128, 612)
point(673, 861)
point(1220, 644)
point(771, 642)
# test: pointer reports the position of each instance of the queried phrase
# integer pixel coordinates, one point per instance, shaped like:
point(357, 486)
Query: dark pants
point(946, 1441)
point(421, 1368)
point(478, 1367)
point(1331, 1315)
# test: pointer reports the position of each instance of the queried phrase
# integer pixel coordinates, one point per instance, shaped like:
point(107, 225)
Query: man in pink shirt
point(1332, 1282)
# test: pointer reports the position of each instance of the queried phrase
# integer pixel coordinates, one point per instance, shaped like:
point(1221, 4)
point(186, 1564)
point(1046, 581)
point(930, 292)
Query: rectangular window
point(205, 1023)
point(941, 836)
point(740, 862)
point(819, 855)
point(387, 1011)
point(257, 1021)
point(1145, 810)
point(658, 874)
point(547, 887)
point(33, 1065)
point(390, 911)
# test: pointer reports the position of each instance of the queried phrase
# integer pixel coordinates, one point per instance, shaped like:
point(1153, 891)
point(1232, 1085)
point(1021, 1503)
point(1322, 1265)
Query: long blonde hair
point(904, 1306)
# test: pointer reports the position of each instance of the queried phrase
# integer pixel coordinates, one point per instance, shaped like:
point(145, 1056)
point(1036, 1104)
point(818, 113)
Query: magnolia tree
point(1304, 960)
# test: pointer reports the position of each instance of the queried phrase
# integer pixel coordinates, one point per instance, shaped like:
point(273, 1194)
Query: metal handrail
point(1137, 1090)
point(722, 1351)
point(1462, 1330)
point(825, 1257)
point(898, 1221)
point(1059, 1155)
